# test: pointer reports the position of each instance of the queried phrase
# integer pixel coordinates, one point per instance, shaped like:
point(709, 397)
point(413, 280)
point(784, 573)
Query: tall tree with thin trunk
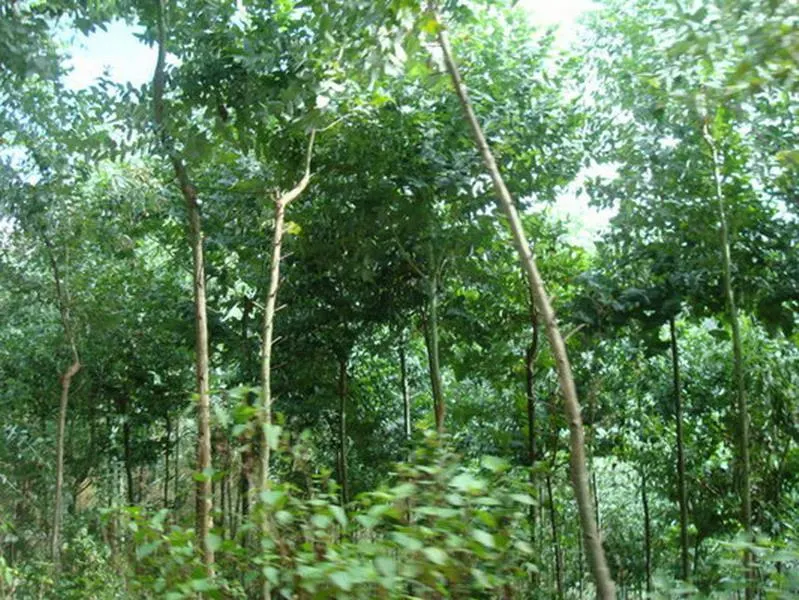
point(204, 519)
point(282, 202)
point(63, 301)
point(737, 344)
point(678, 416)
point(579, 470)
point(406, 390)
point(343, 391)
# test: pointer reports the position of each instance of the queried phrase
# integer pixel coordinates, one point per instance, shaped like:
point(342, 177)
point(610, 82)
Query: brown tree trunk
point(66, 380)
point(553, 521)
point(647, 531)
point(282, 202)
point(433, 357)
point(204, 520)
point(63, 300)
point(682, 494)
point(131, 492)
point(167, 443)
point(529, 369)
point(738, 360)
point(406, 392)
point(579, 471)
point(342, 431)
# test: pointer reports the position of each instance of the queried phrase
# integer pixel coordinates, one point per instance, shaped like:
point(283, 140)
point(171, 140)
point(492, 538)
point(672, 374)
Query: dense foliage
point(264, 331)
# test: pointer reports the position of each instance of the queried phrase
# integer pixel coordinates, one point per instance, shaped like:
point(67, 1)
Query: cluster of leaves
point(439, 530)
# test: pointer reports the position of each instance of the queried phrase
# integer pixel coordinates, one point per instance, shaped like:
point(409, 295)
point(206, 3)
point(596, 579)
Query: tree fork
point(62, 298)
point(204, 500)
point(282, 202)
point(579, 471)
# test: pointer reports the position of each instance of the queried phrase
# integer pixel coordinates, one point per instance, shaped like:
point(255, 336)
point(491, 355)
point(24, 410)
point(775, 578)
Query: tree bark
point(63, 300)
point(167, 443)
point(682, 494)
point(738, 361)
point(282, 202)
point(647, 531)
point(66, 380)
point(342, 430)
point(204, 519)
point(529, 369)
point(131, 493)
point(579, 471)
point(553, 521)
point(406, 392)
point(433, 357)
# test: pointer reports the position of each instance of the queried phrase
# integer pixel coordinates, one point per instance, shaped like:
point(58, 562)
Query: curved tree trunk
point(204, 520)
point(579, 471)
point(63, 300)
point(738, 361)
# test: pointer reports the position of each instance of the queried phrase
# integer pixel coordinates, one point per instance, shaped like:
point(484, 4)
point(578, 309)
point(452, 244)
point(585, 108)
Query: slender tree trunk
point(681, 488)
point(553, 521)
point(167, 443)
point(266, 346)
point(204, 520)
point(433, 356)
point(738, 361)
point(529, 369)
point(406, 392)
point(282, 202)
point(647, 531)
point(131, 492)
point(177, 466)
point(342, 430)
point(579, 471)
point(66, 380)
point(63, 300)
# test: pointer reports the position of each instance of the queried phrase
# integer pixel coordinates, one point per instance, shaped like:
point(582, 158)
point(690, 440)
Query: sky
point(117, 54)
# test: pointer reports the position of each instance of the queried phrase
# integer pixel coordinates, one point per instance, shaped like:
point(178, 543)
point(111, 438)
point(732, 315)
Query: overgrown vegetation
point(297, 318)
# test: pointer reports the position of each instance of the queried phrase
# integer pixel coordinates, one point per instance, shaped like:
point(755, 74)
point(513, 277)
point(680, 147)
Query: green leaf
point(147, 549)
point(342, 580)
point(214, 541)
point(485, 538)
point(436, 555)
point(272, 434)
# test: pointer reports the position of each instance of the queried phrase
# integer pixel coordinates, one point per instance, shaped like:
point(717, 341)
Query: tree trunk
point(281, 204)
point(738, 361)
point(63, 300)
point(647, 531)
point(678, 417)
point(131, 492)
point(406, 392)
point(167, 443)
point(204, 520)
point(66, 380)
point(553, 521)
point(177, 466)
point(579, 471)
point(342, 430)
point(433, 360)
point(266, 342)
point(529, 369)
